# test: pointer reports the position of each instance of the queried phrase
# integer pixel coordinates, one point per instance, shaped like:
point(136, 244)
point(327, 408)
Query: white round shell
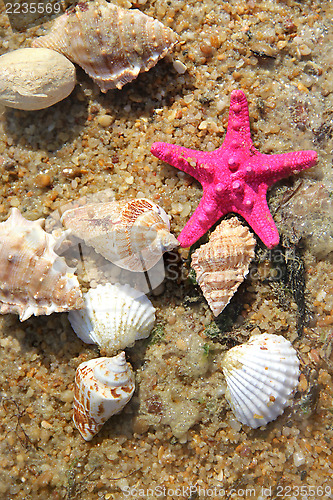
point(103, 386)
point(35, 78)
point(261, 376)
point(114, 317)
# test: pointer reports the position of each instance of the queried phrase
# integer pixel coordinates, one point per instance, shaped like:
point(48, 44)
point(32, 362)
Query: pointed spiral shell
point(113, 45)
point(103, 386)
point(222, 264)
point(34, 279)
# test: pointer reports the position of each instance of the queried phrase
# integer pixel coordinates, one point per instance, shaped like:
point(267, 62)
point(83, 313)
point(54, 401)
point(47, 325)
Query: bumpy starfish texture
point(234, 177)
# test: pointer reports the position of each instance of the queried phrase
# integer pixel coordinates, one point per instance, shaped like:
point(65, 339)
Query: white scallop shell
point(131, 233)
point(261, 377)
point(114, 317)
point(103, 386)
point(222, 264)
point(113, 45)
point(34, 279)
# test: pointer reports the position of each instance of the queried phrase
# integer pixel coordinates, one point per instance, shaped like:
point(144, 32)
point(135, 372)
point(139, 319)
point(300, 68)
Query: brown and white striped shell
point(113, 45)
point(33, 278)
point(222, 264)
point(131, 233)
point(103, 386)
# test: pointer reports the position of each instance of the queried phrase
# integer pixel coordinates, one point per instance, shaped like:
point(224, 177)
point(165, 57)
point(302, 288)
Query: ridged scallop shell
point(113, 45)
point(261, 377)
point(222, 264)
point(103, 386)
point(34, 279)
point(132, 233)
point(114, 317)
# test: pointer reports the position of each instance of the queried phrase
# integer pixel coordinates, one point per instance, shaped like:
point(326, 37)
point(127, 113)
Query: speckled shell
point(114, 317)
point(261, 377)
point(113, 45)
point(34, 279)
point(222, 264)
point(103, 386)
point(132, 233)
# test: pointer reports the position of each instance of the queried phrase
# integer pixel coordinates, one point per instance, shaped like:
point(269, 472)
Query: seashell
point(261, 376)
point(114, 317)
point(34, 279)
point(35, 78)
point(103, 386)
point(133, 233)
point(222, 264)
point(113, 45)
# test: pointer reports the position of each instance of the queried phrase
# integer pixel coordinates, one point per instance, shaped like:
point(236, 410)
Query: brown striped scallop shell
point(113, 45)
point(33, 278)
point(131, 233)
point(222, 264)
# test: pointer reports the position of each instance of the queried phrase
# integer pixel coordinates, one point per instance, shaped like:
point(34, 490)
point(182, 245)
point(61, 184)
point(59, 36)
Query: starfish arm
point(273, 168)
point(238, 131)
point(188, 160)
point(261, 221)
point(200, 222)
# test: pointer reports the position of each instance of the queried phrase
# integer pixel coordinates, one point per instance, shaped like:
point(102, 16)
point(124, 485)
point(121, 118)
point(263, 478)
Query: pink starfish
point(234, 177)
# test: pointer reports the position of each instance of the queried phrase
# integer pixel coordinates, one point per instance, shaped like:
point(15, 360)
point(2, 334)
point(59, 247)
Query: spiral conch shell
point(113, 45)
point(222, 264)
point(114, 317)
point(261, 377)
point(132, 233)
point(103, 386)
point(33, 278)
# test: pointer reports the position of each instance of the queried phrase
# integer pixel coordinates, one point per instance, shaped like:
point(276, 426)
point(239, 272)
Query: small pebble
point(43, 180)
point(67, 396)
point(105, 120)
point(179, 67)
point(298, 458)
point(46, 425)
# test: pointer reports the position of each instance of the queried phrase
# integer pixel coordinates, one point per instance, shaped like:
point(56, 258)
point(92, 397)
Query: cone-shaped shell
point(33, 278)
point(113, 45)
point(114, 317)
point(261, 377)
point(103, 386)
point(132, 233)
point(222, 264)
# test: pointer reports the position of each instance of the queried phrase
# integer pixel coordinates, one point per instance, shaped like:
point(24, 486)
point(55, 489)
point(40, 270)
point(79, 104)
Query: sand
point(178, 438)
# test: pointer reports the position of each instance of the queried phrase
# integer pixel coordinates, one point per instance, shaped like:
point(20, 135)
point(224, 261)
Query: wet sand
point(178, 438)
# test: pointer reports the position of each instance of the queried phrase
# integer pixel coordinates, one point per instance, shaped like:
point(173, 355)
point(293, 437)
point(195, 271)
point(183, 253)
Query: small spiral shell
point(222, 264)
point(103, 386)
point(34, 279)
